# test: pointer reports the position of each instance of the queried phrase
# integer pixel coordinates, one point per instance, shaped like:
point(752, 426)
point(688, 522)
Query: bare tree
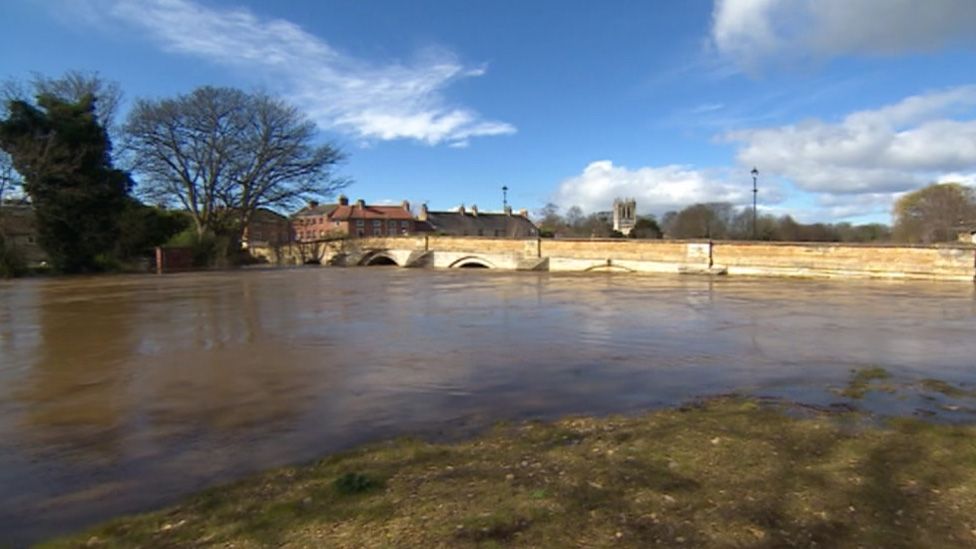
point(222, 153)
point(74, 85)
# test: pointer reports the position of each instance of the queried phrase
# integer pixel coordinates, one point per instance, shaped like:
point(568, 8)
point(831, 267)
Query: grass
point(729, 472)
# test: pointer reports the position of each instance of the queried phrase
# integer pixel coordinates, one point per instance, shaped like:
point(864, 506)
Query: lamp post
point(504, 196)
point(755, 191)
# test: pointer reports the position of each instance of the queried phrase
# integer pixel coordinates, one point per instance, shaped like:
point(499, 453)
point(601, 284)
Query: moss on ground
point(864, 380)
point(727, 473)
point(947, 389)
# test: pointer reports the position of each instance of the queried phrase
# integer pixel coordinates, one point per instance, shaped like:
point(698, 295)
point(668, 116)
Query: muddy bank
point(723, 472)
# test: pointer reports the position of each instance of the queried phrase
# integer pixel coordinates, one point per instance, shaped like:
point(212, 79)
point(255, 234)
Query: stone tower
point(624, 214)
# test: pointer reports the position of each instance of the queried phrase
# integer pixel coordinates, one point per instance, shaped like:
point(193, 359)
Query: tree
point(63, 155)
point(594, 226)
point(549, 219)
point(574, 217)
point(701, 221)
point(9, 178)
point(222, 153)
point(645, 227)
point(142, 228)
point(76, 85)
point(934, 213)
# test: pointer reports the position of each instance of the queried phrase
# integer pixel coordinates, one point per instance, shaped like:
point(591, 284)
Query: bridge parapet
point(747, 258)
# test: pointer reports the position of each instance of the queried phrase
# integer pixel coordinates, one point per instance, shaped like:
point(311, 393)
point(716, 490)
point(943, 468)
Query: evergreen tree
point(63, 154)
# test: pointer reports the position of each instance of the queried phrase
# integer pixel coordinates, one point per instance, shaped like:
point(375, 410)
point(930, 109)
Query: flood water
point(120, 394)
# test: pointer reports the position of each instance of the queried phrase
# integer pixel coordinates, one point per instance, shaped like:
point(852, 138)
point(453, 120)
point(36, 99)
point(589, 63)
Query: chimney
point(343, 200)
point(423, 213)
point(508, 210)
point(405, 205)
point(474, 210)
point(361, 204)
point(524, 213)
point(461, 209)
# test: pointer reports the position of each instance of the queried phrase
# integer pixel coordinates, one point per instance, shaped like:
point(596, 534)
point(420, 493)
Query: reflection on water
point(122, 393)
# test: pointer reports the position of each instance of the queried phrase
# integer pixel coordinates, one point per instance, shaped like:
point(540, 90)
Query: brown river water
point(121, 394)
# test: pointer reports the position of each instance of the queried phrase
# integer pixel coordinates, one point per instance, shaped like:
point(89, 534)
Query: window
point(336, 223)
point(391, 224)
point(360, 223)
point(377, 224)
point(404, 225)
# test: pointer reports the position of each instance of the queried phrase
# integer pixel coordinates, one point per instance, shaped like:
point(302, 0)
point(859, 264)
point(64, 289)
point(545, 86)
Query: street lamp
point(755, 175)
point(504, 196)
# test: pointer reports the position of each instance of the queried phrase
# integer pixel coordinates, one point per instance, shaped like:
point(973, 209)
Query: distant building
point(624, 215)
point(266, 228)
point(18, 224)
point(471, 222)
point(321, 221)
point(604, 217)
point(312, 222)
point(361, 219)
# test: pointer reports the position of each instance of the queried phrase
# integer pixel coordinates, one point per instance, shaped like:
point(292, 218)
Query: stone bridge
point(947, 262)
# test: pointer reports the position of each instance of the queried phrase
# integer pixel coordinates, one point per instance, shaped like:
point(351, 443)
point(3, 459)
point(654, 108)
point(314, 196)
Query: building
point(266, 228)
point(312, 222)
point(18, 225)
point(624, 215)
point(471, 222)
point(323, 221)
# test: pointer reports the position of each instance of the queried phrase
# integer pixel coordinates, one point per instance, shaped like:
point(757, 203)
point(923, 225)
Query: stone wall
point(845, 260)
point(950, 262)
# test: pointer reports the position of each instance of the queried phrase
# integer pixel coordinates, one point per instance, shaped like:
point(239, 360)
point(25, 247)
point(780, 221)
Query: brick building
point(318, 222)
point(312, 222)
point(266, 228)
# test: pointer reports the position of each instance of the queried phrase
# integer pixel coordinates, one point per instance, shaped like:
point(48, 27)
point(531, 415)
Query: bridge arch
point(472, 262)
point(608, 268)
point(380, 257)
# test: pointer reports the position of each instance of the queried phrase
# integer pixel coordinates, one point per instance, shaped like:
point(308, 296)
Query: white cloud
point(656, 189)
point(368, 101)
point(892, 149)
point(753, 32)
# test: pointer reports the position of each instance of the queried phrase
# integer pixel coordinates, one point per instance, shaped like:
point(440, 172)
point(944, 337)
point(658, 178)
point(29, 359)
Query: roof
point(318, 209)
point(265, 214)
point(344, 213)
point(489, 224)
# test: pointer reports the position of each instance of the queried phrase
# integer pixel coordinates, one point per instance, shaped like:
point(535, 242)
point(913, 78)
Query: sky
point(841, 105)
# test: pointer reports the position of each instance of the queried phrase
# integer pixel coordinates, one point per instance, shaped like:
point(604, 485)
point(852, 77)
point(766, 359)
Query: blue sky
point(842, 105)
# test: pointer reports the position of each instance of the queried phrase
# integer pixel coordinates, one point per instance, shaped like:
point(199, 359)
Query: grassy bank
point(727, 473)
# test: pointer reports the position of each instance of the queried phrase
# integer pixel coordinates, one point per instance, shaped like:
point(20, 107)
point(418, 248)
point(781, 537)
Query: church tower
point(624, 215)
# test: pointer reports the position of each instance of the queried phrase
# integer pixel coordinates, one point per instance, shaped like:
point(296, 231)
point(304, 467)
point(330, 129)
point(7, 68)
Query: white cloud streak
point(367, 101)
point(756, 32)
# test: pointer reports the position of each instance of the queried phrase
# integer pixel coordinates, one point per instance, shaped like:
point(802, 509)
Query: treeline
point(206, 161)
point(940, 212)
point(723, 221)
point(717, 220)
